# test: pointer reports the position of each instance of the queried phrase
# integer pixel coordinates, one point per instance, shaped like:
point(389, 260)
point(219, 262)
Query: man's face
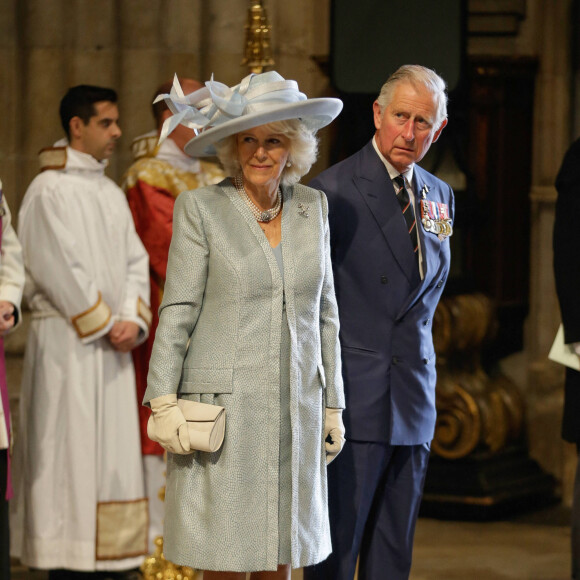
point(99, 136)
point(405, 129)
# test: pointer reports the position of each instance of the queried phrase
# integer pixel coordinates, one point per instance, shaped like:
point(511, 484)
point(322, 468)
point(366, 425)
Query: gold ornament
point(156, 567)
point(257, 52)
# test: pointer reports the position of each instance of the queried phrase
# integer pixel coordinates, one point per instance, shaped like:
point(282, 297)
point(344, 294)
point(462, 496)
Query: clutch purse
point(206, 424)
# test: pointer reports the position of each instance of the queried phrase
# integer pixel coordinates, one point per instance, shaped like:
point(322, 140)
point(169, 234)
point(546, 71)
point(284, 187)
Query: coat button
point(425, 361)
point(384, 280)
point(426, 322)
point(440, 283)
point(395, 360)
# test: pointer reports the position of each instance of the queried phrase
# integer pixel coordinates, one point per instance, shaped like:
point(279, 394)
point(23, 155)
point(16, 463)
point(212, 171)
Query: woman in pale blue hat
point(249, 322)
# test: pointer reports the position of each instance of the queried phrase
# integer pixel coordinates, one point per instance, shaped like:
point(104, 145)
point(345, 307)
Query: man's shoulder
point(155, 172)
point(144, 164)
point(47, 181)
point(575, 148)
point(162, 174)
point(48, 187)
point(569, 170)
point(58, 181)
point(340, 173)
point(424, 177)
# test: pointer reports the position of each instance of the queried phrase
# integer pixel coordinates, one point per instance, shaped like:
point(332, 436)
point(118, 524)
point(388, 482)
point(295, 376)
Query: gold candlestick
point(257, 50)
point(156, 567)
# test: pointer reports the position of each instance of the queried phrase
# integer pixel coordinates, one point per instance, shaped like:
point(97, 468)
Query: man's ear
point(377, 115)
point(75, 126)
point(438, 132)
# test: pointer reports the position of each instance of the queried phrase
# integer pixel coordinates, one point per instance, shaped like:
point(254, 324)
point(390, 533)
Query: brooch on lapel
point(435, 218)
point(303, 209)
point(424, 191)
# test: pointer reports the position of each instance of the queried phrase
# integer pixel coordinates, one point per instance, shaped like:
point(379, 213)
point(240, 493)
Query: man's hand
point(6, 316)
point(123, 335)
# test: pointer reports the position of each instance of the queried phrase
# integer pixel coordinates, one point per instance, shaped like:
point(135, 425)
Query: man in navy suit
point(390, 270)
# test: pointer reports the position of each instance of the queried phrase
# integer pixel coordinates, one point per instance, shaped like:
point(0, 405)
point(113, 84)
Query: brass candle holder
point(156, 567)
point(257, 48)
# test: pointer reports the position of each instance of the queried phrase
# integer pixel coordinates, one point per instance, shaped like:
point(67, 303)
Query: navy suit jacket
point(385, 309)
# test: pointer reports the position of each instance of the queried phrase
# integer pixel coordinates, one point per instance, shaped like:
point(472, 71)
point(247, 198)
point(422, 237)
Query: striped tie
point(407, 209)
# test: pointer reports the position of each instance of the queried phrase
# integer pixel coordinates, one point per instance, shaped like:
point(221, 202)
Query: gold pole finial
point(156, 567)
point(257, 52)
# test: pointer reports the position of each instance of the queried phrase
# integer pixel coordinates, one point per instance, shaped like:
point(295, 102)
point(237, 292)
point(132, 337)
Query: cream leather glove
point(333, 428)
point(168, 426)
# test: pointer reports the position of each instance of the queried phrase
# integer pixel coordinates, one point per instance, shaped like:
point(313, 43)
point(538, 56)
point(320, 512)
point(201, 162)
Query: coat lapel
point(373, 182)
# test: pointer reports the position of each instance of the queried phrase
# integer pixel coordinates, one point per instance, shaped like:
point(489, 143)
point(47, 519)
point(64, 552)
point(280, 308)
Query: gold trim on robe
point(144, 312)
point(93, 319)
point(122, 529)
point(52, 158)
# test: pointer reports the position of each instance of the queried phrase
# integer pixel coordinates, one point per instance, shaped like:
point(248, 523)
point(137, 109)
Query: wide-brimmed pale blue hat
point(217, 111)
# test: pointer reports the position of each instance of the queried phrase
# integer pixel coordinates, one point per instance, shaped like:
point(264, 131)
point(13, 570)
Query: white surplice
point(80, 501)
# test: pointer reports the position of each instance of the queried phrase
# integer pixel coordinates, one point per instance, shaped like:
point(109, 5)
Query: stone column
point(42, 75)
point(551, 139)
point(9, 103)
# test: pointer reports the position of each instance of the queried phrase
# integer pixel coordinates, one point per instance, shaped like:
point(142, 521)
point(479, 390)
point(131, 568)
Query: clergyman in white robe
point(80, 502)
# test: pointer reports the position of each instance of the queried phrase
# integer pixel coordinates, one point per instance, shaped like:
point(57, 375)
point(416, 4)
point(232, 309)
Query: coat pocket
point(206, 381)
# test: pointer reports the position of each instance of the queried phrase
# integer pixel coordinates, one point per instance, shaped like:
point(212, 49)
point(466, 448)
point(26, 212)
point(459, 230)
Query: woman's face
point(262, 154)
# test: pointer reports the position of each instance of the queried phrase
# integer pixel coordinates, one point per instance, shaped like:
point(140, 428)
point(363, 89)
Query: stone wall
point(132, 46)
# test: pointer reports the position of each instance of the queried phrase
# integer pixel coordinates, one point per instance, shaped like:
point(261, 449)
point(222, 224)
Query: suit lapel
point(430, 244)
point(374, 184)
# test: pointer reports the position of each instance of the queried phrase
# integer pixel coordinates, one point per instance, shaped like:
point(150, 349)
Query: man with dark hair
point(390, 222)
point(80, 102)
point(158, 175)
point(80, 507)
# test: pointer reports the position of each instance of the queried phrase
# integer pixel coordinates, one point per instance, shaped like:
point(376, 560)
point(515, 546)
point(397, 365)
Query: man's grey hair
point(417, 75)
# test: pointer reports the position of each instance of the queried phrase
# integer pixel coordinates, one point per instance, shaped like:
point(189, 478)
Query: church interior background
point(514, 110)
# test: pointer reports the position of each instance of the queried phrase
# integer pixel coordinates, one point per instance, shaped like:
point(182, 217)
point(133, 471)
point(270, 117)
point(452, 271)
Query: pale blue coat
point(224, 294)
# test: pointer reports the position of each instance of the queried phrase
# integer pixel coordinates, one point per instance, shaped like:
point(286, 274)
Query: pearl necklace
point(261, 215)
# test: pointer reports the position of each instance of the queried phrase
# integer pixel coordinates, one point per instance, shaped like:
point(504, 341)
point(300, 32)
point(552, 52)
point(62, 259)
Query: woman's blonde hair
point(303, 150)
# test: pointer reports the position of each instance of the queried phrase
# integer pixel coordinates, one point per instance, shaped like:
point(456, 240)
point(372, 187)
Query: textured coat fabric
point(567, 275)
point(224, 294)
point(385, 308)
